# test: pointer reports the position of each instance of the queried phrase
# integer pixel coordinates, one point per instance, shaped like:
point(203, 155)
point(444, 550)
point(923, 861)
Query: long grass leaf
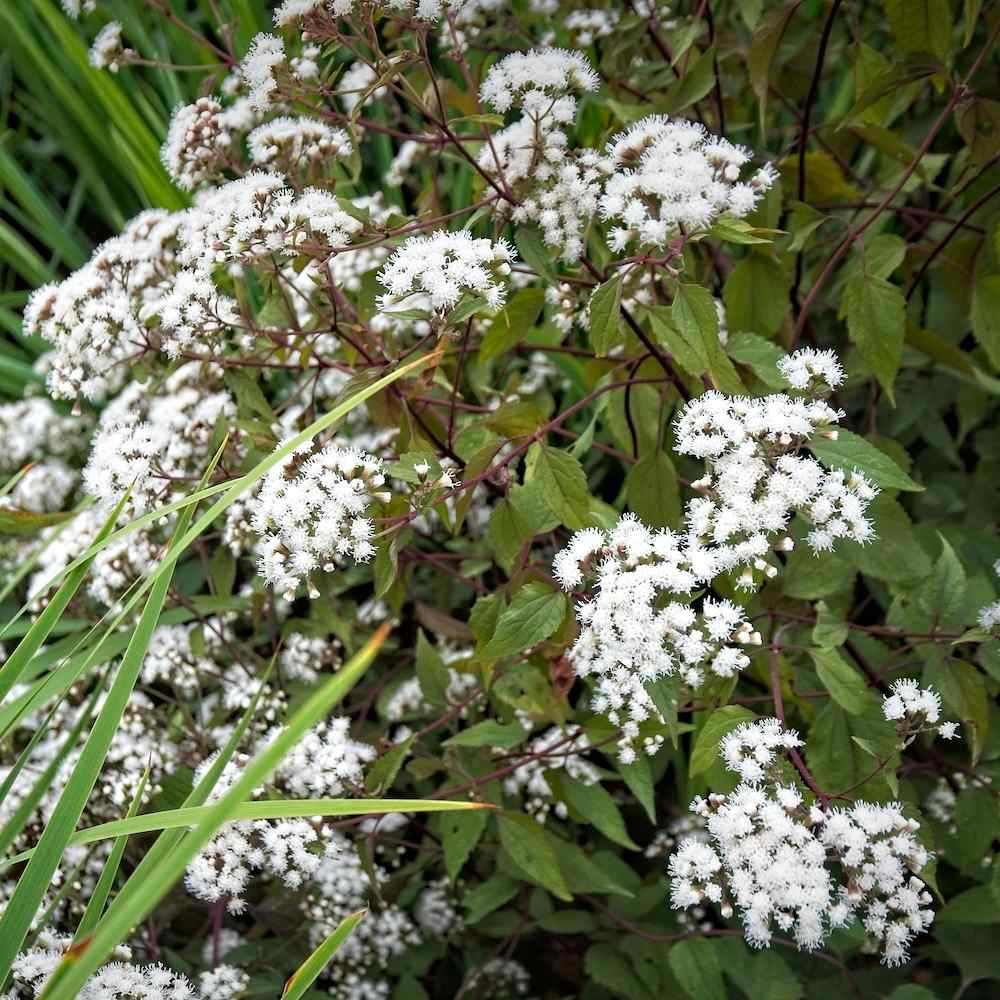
point(130, 908)
point(308, 972)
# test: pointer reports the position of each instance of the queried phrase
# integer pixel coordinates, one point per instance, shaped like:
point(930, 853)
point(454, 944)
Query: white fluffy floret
point(444, 265)
point(310, 515)
point(808, 368)
point(296, 142)
point(107, 50)
point(802, 870)
point(224, 982)
point(518, 77)
point(671, 174)
point(292, 11)
point(258, 68)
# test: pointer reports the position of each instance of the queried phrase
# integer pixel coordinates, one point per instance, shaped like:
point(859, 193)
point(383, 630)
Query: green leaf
point(696, 318)
point(696, 82)
point(534, 252)
point(850, 452)
point(841, 748)
point(563, 482)
point(29, 522)
point(247, 392)
point(921, 25)
point(597, 806)
point(512, 323)
point(489, 896)
point(432, 672)
point(844, 682)
point(605, 965)
point(723, 720)
point(460, 832)
point(605, 317)
point(483, 618)
point(490, 733)
point(695, 964)
point(764, 47)
point(309, 971)
point(963, 691)
point(382, 773)
point(653, 494)
point(829, 630)
point(532, 616)
point(986, 315)
point(534, 850)
point(756, 296)
point(942, 596)
point(876, 321)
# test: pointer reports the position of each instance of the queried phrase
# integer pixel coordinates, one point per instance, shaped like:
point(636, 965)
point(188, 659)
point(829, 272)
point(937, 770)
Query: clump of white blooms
point(989, 616)
point(557, 188)
point(117, 980)
point(915, 710)
point(673, 174)
point(107, 50)
point(631, 635)
point(353, 86)
point(552, 750)
point(266, 55)
point(295, 144)
point(325, 764)
point(292, 11)
point(808, 370)
point(586, 25)
point(224, 982)
point(502, 978)
point(803, 870)
point(201, 140)
point(442, 267)
point(303, 657)
point(310, 515)
point(752, 749)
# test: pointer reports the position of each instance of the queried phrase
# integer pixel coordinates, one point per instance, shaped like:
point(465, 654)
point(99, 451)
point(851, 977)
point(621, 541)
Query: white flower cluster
point(292, 145)
point(444, 265)
point(500, 978)
point(171, 660)
point(558, 188)
point(107, 50)
point(201, 140)
point(804, 870)
point(303, 656)
point(92, 317)
point(915, 709)
point(310, 514)
point(157, 440)
point(673, 174)
point(989, 616)
point(224, 982)
point(266, 55)
point(292, 11)
point(528, 780)
point(586, 25)
point(341, 886)
point(118, 980)
point(630, 636)
point(753, 749)
point(326, 763)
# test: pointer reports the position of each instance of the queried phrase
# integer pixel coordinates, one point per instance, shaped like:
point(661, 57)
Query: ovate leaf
point(534, 614)
point(850, 452)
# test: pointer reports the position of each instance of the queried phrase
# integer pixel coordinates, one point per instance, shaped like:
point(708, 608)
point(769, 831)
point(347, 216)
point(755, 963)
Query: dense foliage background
point(879, 239)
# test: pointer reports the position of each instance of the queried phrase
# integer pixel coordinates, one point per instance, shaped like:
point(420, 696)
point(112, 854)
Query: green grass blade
point(190, 816)
point(95, 905)
point(130, 908)
point(39, 631)
point(308, 972)
point(23, 905)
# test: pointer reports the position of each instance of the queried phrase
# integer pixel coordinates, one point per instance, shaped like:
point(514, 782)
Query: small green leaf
point(706, 745)
point(534, 850)
point(597, 806)
point(695, 964)
point(653, 494)
point(512, 323)
point(460, 832)
point(563, 483)
point(845, 684)
point(532, 616)
point(850, 452)
point(876, 321)
point(489, 733)
point(605, 317)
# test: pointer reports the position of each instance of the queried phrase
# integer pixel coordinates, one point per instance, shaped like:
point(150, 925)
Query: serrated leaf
point(756, 296)
point(431, 671)
point(695, 965)
point(534, 850)
point(605, 317)
point(512, 323)
point(531, 617)
point(460, 832)
point(705, 751)
point(652, 491)
point(695, 315)
point(850, 452)
point(846, 684)
point(597, 806)
point(490, 733)
point(562, 481)
point(876, 321)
